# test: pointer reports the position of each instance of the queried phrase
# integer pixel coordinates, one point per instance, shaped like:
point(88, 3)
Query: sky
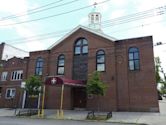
point(18, 29)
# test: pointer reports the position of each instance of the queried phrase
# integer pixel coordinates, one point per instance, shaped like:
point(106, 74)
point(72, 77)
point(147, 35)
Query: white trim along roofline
point(85, 28)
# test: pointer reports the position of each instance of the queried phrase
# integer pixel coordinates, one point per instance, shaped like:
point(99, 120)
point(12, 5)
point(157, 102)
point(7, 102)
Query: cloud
point(84, 21)
point(149, 4)
point(117, 13)
point(15, 8)
point(119, 2)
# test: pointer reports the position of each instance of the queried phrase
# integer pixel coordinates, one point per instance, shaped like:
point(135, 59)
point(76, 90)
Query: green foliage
point(159, 70)
point(95, 85)
point(33, 85)
point(157, 67)
point(163, 88)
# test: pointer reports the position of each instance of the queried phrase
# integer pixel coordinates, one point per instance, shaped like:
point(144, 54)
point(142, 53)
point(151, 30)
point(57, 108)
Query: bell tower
point(95, 19)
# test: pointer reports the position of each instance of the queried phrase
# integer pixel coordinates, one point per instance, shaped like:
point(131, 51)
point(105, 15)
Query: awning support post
point(43, 100)
point(60, 114)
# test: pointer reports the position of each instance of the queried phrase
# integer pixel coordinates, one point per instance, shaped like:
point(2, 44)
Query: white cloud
point(117, 13)
point(149, 4)
point(84, 21)
point(15, 8)
point(119, 2)
point(24, 31)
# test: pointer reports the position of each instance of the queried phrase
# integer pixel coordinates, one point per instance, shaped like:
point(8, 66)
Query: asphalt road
point(28, 121)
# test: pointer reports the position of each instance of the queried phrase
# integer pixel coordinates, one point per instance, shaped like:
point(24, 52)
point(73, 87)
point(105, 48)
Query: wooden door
point(79, 98)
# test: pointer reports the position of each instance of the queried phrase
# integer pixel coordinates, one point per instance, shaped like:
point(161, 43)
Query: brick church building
point(126, 66)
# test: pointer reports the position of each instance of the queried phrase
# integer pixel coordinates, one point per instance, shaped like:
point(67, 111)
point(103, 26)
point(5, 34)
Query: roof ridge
point(84, 28)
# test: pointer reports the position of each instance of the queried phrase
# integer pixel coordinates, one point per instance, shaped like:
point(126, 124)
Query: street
point(28, 121)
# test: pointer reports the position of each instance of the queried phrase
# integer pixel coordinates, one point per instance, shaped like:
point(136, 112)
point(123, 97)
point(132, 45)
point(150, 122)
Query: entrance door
point(79, 98)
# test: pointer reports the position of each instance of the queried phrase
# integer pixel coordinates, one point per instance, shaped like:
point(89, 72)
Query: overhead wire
point(52, 3)
point(119, 20)
point(55, 15)
point(58, 34)
point(29, 13)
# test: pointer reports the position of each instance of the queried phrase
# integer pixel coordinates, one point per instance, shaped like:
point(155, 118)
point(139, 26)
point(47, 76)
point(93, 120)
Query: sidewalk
point(7, 112)
point(120, 117)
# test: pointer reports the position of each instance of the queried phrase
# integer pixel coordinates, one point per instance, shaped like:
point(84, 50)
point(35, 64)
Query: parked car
point(164, 95)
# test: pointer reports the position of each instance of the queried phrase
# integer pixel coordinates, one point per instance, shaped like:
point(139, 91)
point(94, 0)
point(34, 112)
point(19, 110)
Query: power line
point(136, 16)
point(58, 33)
point(29, 13)
point(32, 9)
point(55, 15)
point(33, 38)
point(138, 26)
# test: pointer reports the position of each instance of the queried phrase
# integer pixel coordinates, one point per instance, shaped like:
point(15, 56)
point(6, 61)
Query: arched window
point(81, 46)
point(134, 59)
point(100, 60)
point(39, 66)
point(61, 65)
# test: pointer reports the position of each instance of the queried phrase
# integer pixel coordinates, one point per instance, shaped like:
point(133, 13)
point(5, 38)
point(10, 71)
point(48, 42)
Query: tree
point(33, 86)
point(159, 70)
point(95, 86)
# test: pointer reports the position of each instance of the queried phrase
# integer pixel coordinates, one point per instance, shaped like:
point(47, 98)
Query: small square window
point(100, 59)
point(136, 64)
point(100, 67)
point(61, 70)
point(131, 65)
point(136, 56)
point(61, 62)
point(85, 49)
point(131, 56)
point(4, 76)
point(77, 50)
point(10, 93)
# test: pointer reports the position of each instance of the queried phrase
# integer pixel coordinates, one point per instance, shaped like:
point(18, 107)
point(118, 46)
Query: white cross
point(53, 81)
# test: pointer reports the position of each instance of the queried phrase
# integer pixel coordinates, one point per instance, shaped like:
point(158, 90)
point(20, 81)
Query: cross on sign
point(53, 81)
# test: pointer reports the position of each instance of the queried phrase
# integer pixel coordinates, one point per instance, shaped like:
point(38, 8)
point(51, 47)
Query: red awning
point(56, 80)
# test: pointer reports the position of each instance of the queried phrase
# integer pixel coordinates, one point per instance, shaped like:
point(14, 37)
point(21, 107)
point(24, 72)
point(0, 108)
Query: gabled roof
point(84, 28)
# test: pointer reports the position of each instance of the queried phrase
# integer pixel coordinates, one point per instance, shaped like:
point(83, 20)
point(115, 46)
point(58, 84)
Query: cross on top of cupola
point(95, 19)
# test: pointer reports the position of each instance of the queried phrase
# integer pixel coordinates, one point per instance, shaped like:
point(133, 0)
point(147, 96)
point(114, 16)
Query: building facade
point(13, 72)
point(126, 66)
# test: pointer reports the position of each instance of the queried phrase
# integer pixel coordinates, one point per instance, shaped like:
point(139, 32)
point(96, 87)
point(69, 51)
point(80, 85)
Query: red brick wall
point(137, 90)
point(11, 65)
point(127, 90)
point(94, 44)
point(32, 63)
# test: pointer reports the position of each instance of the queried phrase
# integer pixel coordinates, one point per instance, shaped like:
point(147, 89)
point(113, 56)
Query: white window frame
point(4, 76)
point(16, 75)
point(11, 93)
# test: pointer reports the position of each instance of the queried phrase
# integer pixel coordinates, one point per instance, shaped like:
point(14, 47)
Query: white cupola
point(95, 19)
